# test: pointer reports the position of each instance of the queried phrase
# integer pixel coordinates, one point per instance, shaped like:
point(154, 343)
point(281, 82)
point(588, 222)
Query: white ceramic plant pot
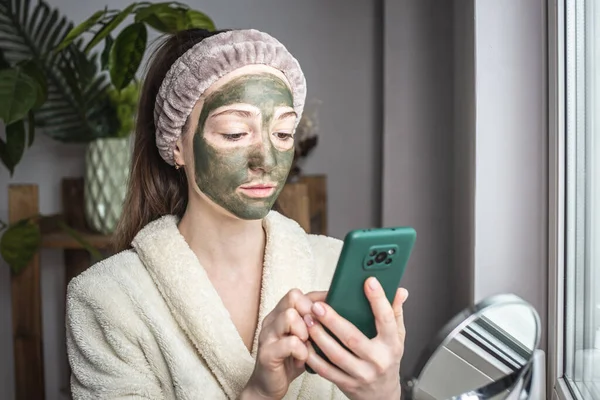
point(106, 172)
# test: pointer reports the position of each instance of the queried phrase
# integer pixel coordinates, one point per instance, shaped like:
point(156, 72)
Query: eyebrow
point(237, 112)
point(288, 114)
point(250, 114)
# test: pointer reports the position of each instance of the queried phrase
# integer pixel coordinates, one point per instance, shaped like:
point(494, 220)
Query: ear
point(178, 153)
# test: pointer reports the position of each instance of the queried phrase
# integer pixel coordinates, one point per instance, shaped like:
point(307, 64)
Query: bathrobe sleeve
point(103, 342)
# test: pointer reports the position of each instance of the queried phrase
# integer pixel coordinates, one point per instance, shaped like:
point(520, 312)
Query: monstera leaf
point(76, 107)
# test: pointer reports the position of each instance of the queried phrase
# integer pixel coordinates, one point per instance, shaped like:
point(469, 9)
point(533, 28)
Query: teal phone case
point(382, 253)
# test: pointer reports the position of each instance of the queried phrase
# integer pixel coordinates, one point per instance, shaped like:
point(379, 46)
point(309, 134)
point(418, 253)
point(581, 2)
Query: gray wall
point(417, 170)
point(465, 154)
point(463, 157)
point(511, 152)
point(338, 45)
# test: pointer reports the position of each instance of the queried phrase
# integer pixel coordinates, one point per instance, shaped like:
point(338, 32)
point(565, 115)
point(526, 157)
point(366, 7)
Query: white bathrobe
point(148, 324)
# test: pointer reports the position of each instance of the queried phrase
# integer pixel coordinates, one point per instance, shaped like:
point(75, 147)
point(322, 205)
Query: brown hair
point(155, 188)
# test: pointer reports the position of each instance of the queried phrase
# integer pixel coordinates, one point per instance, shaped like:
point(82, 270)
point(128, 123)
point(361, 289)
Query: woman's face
point(243, 144)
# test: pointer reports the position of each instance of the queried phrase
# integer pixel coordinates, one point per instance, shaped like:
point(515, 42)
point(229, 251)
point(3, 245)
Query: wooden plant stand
point(305, 202)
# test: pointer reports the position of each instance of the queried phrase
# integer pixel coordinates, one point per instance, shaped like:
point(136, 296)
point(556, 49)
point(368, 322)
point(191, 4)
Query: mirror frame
point(459, 322)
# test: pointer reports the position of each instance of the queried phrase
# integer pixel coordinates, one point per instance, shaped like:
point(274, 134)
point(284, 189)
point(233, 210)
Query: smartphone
point(382, 253)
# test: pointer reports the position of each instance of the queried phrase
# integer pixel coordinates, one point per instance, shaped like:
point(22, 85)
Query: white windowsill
point(561, 391)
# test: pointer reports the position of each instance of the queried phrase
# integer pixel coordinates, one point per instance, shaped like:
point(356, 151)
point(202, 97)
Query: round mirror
point(483, 353)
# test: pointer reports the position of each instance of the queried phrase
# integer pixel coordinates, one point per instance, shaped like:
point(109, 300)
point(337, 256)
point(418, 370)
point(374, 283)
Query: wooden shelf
point(61, 240)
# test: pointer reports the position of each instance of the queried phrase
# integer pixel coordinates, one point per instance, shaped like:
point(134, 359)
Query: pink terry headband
point(198, 68)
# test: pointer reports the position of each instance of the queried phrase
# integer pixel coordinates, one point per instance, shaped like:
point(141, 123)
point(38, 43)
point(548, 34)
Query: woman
point(213, 295)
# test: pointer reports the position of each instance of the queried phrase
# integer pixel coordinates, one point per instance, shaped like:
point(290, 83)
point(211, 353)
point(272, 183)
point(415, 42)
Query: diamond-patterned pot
point(106, 173)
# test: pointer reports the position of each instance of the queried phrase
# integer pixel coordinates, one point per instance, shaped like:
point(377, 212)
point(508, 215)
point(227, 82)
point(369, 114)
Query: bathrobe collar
point(195, 304)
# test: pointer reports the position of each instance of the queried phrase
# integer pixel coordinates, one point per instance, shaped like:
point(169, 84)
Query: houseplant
point(60, 93)
point(77, 95)
point(52, 78)
point(107, 164)
point(108, 159)
point(63, 93)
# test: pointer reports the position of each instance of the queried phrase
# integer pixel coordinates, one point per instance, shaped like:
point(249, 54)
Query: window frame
point(556, 30)
point(564, 114)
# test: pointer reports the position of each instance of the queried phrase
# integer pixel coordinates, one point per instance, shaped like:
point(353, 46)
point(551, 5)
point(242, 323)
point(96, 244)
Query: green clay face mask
point(243, 153)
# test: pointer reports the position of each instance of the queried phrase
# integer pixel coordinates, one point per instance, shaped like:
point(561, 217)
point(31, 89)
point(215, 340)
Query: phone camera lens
point(391, 251)
point(380, 257)
point(370, 262)
point(388, 261)
point(372, 253)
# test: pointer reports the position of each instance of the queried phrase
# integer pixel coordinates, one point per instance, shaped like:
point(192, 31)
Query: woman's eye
point(233, 136)
point(283, 135)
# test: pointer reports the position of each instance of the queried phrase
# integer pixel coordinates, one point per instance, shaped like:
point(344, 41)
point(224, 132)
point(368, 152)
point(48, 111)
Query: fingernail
point(406, 295)
point(318, 309)
point(308, 320)
point(374, 284)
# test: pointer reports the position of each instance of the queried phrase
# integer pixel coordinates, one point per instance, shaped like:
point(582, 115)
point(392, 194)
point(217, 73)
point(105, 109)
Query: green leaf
point(127, 53)
point(5, 158)
point(109, 27)
point(31, 68)
point(80, 29)
point(104, 59)
point(12, 150)
point(18, 94)
point(144, 12)
point(75, 111)
point(162, 25)
point(84, 67)
point(30, 128)
point(198, 20)
point(3, 62)
point(71, 82)
point(141, 13)
point(20, 243)
point(163, 17)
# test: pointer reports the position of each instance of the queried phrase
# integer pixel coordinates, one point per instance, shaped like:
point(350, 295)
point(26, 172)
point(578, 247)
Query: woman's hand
point(282, 347)
point(371, 369)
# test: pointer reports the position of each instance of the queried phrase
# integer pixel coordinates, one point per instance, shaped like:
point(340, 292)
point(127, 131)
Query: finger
point(317, 296)
point(293, 299)
point(290, 323)
point(348, 334)
point(298, 363)
point(279, 351)
point(337, 355)
point(397, 306)
point(385, 320)
point(327, 370)
point(298, 300)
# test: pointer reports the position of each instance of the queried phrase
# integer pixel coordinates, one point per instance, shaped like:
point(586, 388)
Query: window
point(574, 291)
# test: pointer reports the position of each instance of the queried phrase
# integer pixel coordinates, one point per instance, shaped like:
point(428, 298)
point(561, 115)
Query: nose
point(263, 155)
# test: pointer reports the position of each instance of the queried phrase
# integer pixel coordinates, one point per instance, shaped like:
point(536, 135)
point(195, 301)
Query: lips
point(258, 190)
point(259, 186)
